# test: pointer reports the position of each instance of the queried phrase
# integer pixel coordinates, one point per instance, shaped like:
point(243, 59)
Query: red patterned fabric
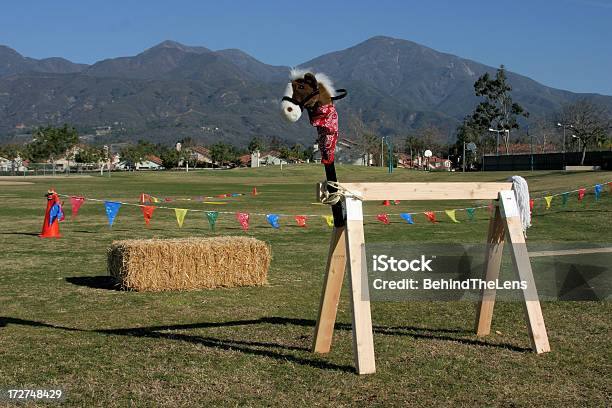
point(325, 119)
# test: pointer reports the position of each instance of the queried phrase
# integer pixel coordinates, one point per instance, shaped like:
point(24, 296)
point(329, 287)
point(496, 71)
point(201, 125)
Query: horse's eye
point(300, 86)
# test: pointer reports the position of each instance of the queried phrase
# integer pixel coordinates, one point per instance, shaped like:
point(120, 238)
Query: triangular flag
point(407, 217)
point(490, 207)
point(431, 216)
point(180, 216)
point(597, 191)
point(76, 203)
point(243, 219)
point(581, 193)
point(112, 208)
point(531, 204)
point(301, 220)
point(212, 218)
point(155, 199)
point(565, 196)
point(254, 192)
point(548, 200)
point(384, 218)
point(452, 214)
point(396, 202)
point(470, 213)
point(273, 220)
point(147, 212)
point(329, 219)
point(386, 203)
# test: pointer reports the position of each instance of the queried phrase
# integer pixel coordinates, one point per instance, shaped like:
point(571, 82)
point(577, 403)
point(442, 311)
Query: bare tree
point(588, 122)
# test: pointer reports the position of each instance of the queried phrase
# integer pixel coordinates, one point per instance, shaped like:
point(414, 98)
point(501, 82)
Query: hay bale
point(155, 265)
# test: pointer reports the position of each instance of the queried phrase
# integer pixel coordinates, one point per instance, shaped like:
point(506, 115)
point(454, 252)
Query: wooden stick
point(330, 175)
point(330, 296)
point(493, 257)
point(522, 265)
point(363, 341)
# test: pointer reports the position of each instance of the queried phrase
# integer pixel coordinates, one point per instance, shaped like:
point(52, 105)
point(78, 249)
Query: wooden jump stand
point(347, 248)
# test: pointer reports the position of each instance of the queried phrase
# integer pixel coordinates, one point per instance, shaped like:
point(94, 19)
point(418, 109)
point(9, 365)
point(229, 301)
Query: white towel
point(521, 192)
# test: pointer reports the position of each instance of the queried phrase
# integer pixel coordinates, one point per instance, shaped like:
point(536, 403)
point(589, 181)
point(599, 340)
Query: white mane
point(322, 79)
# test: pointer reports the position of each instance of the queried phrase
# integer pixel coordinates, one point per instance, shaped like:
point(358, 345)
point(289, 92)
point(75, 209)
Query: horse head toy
point(316, 94)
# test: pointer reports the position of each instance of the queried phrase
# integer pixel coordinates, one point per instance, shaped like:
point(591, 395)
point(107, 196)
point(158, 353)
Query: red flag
point(386, 203)
point(396, 202)
point(581, 193)
point(531, 203)
point(147, 212)
point(243, 219)
point(431, 216)
point(384, 218)
point(490, 207)
point(301, 220)
point(76, 203)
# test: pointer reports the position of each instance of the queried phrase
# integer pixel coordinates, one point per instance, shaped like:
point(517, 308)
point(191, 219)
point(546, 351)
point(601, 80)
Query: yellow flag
point(548, 201)
point(451, 214)
point(329, 219)
point(155, 199)
point(180, 215)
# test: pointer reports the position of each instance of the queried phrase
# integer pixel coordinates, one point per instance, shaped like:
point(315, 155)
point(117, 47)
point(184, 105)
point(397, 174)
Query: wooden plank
point(492, 264)
point(427, 191)
point(363, 341)
point(522, 265)
point(330, 296)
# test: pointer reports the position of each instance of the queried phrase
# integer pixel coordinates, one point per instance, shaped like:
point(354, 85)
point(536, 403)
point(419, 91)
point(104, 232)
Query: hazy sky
point(561, 43)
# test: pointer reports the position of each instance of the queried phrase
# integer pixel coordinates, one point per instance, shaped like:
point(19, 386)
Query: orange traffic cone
point(53, 214)
point(254, 192)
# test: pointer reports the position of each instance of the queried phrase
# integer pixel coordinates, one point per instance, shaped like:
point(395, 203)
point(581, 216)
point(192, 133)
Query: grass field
point(62, 325)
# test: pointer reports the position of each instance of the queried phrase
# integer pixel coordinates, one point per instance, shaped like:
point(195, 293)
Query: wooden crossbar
point(427, 191)
point(347, 252)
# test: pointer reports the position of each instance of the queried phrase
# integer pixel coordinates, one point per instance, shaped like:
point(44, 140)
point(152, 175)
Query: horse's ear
point(310, 80)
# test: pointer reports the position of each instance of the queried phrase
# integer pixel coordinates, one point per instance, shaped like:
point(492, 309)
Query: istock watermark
point(566, 271)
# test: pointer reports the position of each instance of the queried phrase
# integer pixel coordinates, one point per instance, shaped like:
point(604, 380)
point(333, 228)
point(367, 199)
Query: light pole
point(564, 126)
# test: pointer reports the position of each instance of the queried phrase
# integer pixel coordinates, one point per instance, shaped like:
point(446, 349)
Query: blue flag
point(55, 213)
point(112, 208)
point(407, 217)
point(273, 220)
point(597, 191)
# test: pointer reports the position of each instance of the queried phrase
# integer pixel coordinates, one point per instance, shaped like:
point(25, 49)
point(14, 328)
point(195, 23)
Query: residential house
point(347, 152)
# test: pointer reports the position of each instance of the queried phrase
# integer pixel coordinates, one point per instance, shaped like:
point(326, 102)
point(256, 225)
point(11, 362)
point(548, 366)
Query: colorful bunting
point(431, 216)
point(531, 204)
point(329, 219)
point(407, 217)
point(470, 213)
point(564, 197)
point(212, 219)
point(76, 203)
point(112, 208)
point(396, 202)
point(581, 193)
point(386, 203)
point(384, 218)
point(147, 213)
point(548, 200)
point(243, 219)
point(597, 191)
point(452, 215)
point(273, 220)
point(301, 220)
point(180, 216)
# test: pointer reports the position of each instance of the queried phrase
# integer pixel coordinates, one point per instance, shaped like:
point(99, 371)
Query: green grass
point(250, 346)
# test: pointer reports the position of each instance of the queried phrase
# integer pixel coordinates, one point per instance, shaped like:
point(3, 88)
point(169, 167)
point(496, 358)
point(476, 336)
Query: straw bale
point(155, 265)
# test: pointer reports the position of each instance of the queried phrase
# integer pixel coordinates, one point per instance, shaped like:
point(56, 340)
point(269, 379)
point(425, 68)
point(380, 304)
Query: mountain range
point(172, 91)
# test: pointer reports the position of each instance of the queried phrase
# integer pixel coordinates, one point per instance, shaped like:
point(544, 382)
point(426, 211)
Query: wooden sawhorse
point(347, 248)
